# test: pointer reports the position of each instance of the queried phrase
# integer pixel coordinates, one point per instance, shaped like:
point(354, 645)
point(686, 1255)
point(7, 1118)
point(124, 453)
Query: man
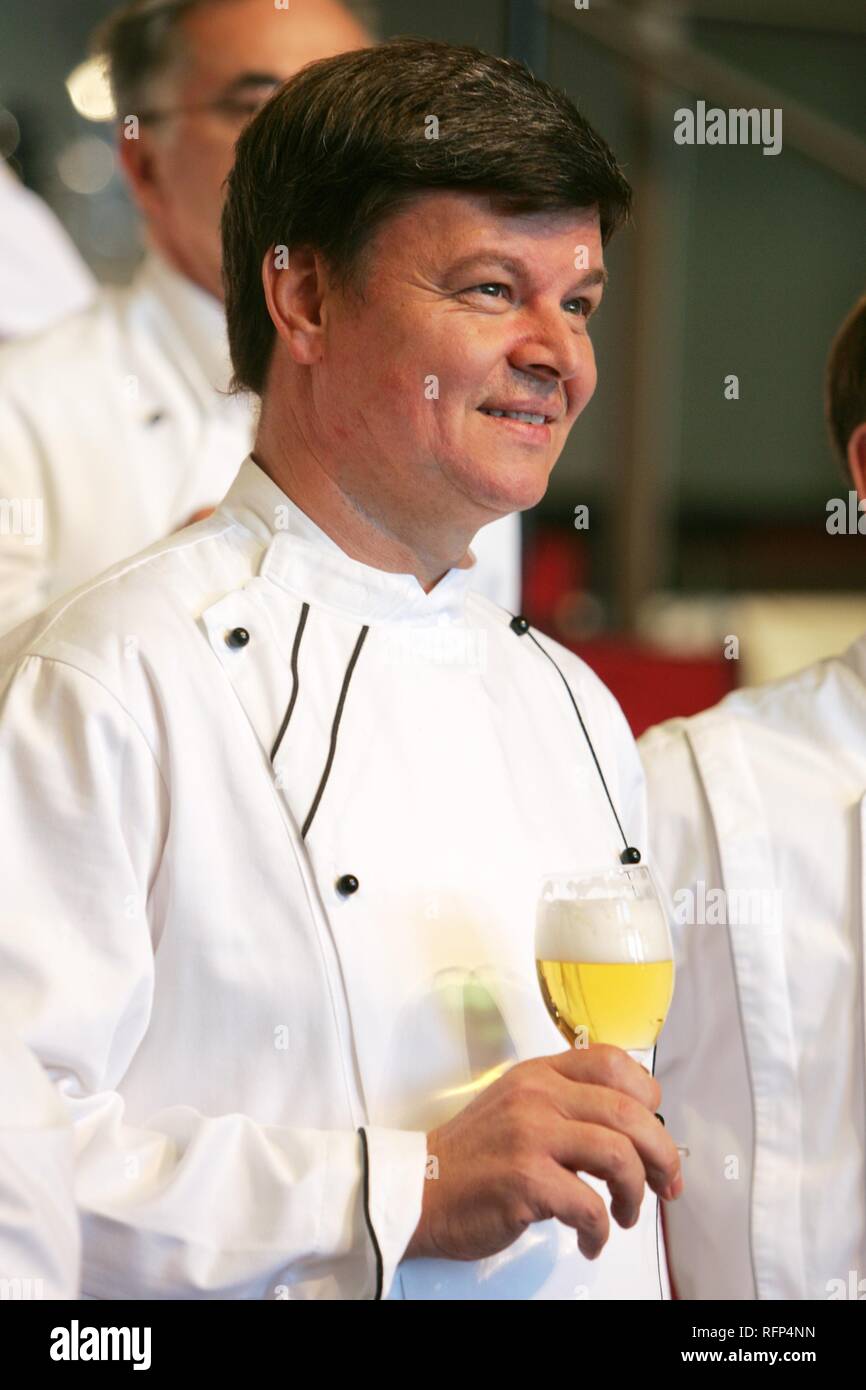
point(115, 426)
point(759, 827)
point(32, 240)
point(278, 794)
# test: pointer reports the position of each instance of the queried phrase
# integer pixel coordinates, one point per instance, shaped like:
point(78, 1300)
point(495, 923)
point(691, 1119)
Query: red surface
point(652, 686)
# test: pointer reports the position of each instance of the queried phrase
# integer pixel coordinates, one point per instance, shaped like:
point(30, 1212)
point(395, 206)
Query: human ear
point(294, 286)
point(857, 459)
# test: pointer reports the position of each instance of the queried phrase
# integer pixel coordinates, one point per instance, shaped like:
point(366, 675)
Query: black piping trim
point(531, 634)
point(659, 1239)
point(296, 647)
point(334, 729)
point(380, 1268)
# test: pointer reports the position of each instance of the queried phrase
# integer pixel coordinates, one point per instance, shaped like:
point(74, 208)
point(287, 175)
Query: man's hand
point(511, 1156)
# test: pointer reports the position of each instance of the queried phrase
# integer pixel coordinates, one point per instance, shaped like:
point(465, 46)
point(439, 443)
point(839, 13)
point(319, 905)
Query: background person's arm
point(40, 1243)
point(24, 519)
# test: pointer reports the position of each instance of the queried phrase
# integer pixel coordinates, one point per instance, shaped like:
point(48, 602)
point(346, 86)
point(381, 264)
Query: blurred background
point(707, 516)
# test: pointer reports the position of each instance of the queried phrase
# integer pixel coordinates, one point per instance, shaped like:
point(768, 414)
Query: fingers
point(612, 1157)
point(575, 1204)
point(513, 1155)
point(618, 1113)
point(608, 1066)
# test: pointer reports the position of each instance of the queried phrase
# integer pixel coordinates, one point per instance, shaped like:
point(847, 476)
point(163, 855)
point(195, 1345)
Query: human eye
point(586, 306)
point(484, 286)
point(240, 108)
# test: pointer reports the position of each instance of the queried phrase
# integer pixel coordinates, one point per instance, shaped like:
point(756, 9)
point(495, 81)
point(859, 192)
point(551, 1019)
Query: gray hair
point(142, 41)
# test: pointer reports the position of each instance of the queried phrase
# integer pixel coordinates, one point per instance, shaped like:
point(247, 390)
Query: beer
point(605, 969)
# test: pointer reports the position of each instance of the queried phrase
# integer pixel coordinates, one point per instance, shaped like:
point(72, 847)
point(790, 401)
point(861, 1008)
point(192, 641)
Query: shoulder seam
point(97, 584)
point(88, 675)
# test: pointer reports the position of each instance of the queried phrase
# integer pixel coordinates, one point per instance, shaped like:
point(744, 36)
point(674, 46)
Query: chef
point(758, 825)
point(278, 793)
point(115, 425)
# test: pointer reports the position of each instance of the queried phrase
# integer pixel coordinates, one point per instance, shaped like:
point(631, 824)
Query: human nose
point(552, 347)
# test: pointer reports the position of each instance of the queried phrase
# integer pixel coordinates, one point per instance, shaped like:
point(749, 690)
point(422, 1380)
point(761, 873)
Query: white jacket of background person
point(40, 1241)
point(115, 428)
point(762, 1059)
point(222, 1017)
point(42, 276)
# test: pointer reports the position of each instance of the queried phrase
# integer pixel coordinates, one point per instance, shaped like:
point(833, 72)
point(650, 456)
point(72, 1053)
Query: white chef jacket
point(762, 1058)
point(222, 1019)
point(40, 1243)
point(42, 276)
point(115, 428)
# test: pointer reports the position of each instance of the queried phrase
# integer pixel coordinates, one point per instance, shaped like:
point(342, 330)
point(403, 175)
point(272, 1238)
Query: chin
point(518, 495)
point(504, 484)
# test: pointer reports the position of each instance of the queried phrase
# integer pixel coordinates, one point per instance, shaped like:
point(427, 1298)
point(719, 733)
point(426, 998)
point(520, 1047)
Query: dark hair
point(143, 39)
point(845, 391)
point(345, 144)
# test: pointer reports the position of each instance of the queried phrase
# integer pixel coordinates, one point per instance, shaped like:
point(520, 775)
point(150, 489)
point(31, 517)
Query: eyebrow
point(598, 276)
point(252, 79)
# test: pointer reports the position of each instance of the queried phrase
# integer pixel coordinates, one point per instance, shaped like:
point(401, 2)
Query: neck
point(367, 530)
point(188, 266)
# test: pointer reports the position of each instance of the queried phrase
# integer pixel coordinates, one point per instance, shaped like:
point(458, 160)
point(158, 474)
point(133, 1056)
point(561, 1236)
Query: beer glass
point(605, 958)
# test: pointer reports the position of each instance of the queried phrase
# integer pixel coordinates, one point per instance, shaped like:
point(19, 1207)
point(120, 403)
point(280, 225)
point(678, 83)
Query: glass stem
point(643, 1055)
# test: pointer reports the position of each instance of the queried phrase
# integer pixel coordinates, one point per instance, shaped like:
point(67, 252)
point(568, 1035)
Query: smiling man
point(453, 419)
point(115, 428)
point(279, 792)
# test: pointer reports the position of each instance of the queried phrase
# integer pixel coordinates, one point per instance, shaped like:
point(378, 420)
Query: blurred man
point(284, 788)
point(42, 276)
point(115, 428)
point(758, 826)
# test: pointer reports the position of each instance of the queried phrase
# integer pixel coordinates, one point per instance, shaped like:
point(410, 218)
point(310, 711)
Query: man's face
point(234, 54)
point(465, 311)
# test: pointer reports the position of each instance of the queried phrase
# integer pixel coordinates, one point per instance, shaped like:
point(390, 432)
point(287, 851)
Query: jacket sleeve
point(25, 521)
point(40, 1245)
point(184, 1204)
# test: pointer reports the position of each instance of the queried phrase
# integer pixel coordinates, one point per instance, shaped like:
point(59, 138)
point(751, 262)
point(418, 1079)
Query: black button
point(347, 884)
point(630, 856)
point(519, 625)
point(238, 637)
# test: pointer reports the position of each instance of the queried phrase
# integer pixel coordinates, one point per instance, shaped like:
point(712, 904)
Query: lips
point(533, 430)
point(539, 413)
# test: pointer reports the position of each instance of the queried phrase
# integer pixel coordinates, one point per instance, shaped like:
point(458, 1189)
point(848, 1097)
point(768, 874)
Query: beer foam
point(612, 931)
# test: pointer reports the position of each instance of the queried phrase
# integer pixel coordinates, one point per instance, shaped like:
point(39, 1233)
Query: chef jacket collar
point(196, 317)
point(303, 559)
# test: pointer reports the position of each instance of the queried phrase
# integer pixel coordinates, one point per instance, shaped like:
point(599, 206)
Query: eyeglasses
point(233, 108)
